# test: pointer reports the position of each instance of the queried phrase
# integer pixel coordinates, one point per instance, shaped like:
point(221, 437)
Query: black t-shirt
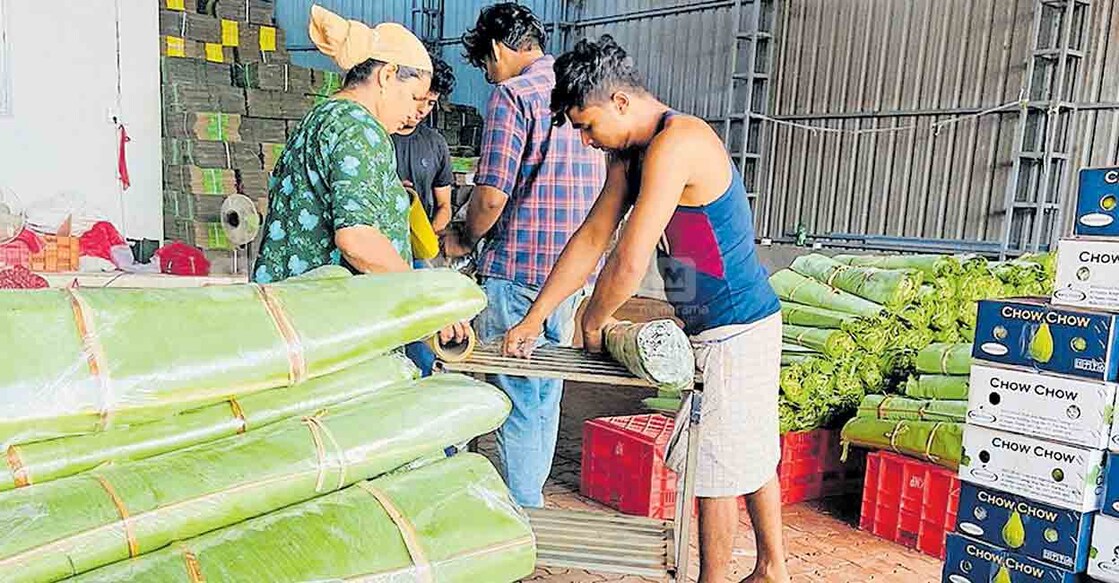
point(424, 159)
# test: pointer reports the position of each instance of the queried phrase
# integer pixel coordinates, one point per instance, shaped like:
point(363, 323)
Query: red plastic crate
point(910, 502)
point(15, 254)
point(623, 466)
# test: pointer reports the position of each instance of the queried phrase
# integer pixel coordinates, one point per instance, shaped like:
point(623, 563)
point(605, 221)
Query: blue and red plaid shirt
point(551, 178)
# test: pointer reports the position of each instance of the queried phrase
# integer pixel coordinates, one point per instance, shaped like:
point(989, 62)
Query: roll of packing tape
point(454, 351)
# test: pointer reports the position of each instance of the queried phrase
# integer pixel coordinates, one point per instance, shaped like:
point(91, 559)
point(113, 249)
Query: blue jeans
point(421, 355)
point(527, 440)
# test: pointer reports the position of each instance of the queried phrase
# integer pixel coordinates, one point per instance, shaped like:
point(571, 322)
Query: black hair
point(362, 72)
point(508, 23)
point(592, 72)
point(443, 80)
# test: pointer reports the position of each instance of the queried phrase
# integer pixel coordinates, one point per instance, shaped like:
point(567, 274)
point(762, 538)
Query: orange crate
point(59, 254)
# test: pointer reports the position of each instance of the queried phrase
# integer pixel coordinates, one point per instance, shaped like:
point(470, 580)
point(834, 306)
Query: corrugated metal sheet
point(878, 65)
point(294, 16)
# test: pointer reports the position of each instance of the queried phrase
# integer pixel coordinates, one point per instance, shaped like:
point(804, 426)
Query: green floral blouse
point(337, 171)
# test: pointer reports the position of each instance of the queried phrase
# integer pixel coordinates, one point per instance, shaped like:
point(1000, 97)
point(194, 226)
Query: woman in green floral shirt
point(334, 197)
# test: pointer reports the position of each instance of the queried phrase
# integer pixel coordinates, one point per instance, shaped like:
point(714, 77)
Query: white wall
point(63, 58)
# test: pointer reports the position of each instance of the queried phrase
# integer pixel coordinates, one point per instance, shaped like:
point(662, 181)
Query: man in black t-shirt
point(423, 159)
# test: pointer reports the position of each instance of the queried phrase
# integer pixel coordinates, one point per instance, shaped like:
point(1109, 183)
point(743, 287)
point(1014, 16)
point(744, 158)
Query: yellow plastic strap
point(176, 47)
point(267, 39)
point(297, 362)
point(230, 33)
point(21, 476)
point(407, 532)
point(130, 537)
point(94, 354)
point(215, 53)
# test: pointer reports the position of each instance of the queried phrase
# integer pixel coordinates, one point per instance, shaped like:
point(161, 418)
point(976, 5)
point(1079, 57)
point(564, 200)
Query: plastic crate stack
point(623, 466)
point(230, 100)
point(1040, 419)
point(461, 126)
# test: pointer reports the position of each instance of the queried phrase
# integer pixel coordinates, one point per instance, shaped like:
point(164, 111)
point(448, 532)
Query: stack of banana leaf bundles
point(248, 433)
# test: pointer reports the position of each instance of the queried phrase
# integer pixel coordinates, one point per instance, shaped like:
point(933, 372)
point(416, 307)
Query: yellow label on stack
point(215, 53)
point(230, 33)
point(267, 39)
point(176, 5)
point(176, 47)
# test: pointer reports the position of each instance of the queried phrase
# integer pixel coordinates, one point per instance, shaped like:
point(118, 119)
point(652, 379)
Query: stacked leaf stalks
point(183, 431)
point(855, 325)
point(230, 100)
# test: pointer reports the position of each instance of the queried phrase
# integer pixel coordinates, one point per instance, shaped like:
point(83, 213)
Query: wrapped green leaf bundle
point(452, 521)
point(945, 359)
point(80, 361)
point(794, 287)
point(830, 342)
point(931, 386)
point(891, 408)
point(892, 288)
point(926, 264)
point(939, 443)
point(658, 352)
point(43, 461)
point(814, 317)
point(82, 522)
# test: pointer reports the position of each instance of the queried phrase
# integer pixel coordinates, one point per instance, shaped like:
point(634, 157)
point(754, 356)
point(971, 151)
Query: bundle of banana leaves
point(894, 289)
point(894, 408)
point(945, 359)
point(937, 442)
point(935, 386)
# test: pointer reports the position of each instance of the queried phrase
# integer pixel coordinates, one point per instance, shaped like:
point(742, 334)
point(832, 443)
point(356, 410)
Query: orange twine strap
point(193, 567)
point(835, 273)
point(133, 546)
point(94, 353)
point(239, 414)
point(407, 532)
point(318, 431)
point(928, 445)
point(297, 361)
point(21, 475)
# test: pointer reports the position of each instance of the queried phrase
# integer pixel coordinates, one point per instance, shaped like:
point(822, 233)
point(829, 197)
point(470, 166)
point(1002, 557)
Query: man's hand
point(455, 333)
point(453, 245)
point(408, 184)
point(593, 334)
point(520, 340)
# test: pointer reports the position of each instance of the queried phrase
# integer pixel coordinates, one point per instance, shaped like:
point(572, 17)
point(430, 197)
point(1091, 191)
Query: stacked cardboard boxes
point(230, 100)
point(1040, 422)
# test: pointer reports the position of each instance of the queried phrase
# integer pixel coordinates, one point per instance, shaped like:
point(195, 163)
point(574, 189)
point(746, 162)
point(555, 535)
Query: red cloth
point(99, 241)
point(122, 160)
point(20, 277)
point(178, 258)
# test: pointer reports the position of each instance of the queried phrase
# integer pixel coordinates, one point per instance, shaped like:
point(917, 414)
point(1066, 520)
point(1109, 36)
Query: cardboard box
point(1097, 203)
point(1088, 274)
point(1060, 475)
point(970, 561)
point(1111, 487)
point(1031, 333)
point(1103, 563)
point(1063, 409)
point(1039, 531)
point(1115, 425)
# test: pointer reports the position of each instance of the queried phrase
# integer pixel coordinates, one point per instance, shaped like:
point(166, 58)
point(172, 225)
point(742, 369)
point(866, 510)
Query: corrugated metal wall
point(879, 65)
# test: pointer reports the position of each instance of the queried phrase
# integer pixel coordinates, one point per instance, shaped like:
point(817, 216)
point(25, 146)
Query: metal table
point(598, 541)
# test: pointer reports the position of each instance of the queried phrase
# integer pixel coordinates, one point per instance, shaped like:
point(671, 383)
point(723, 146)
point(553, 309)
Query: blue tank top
point(709, 262)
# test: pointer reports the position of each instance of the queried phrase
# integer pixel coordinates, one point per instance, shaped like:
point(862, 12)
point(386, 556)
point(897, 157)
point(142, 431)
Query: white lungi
point(739, 432)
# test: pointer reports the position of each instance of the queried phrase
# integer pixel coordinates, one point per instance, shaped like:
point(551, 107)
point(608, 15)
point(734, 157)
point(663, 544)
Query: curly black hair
point(508, 23)
point(443, 80)
point(592, 72)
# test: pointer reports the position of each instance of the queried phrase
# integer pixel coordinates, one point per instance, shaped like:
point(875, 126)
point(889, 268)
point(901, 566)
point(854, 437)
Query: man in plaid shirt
point(534, 186)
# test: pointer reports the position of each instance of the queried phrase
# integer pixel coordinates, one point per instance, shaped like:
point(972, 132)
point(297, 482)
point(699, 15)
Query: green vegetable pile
point(878, 325)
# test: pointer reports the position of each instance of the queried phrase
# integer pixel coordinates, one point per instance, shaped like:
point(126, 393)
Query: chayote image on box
point(1111, 487)
point(1034, 334)
point(1039, 531)
point(972, 561)
point(1103, 557)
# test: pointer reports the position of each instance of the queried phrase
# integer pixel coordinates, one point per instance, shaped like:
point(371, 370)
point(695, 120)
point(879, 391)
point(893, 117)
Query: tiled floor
point(821, 541)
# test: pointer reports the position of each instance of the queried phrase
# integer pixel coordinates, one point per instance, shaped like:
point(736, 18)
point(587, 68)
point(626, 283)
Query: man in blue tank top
point(687, 204)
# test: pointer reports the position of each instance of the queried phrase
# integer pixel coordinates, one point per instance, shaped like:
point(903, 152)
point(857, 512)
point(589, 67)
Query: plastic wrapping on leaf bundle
point(658, 352)
point(81, 361)
point(451, 521)
point(121, 511)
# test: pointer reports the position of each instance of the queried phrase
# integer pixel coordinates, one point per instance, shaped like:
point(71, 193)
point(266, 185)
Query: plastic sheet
point(939, 443)
point(35, 463)
point(658, 352)
point(450, 522)
point(79, 523)
point(933, 386)
point(79, 361)
point(892, 288)
point(945, 359)
point(794, 287)
point(894, 408)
